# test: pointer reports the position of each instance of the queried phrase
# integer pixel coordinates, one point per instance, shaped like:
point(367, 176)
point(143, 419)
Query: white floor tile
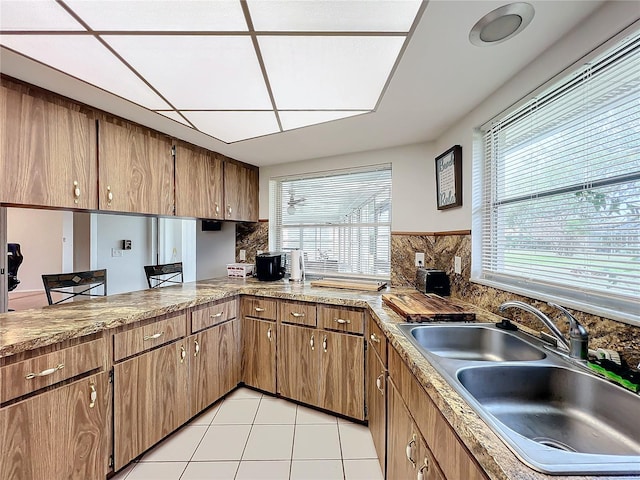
point(309, 416)
point(207, 416)
point(210, 471)
point(243, 393)
point(222, 442)
point(356, 441)
point(157, 471)
point(237, 412)
point(274, 411)
point(278, 470)
point(362, 470)
point(316, 470)
point(122, 474)
point(313, 442)
point(178, 447)
point(269, 442)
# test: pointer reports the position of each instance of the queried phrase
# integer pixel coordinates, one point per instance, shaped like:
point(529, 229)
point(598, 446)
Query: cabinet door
point(199, 191)
point(47, 153)
point(259, 354)
point(298, 363)
point(342, 374)
point(240, 192)
point(136, 170)
point(403, 448)
point(376, 403)
point(215, 364)
point(58, 434)
point(150, 400)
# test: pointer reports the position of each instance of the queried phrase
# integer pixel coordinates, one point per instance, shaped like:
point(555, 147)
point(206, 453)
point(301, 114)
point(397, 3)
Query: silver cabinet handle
point(374, 338)
point(152, 337)
point(93, 395)
point(216, 315)
point(196, 348)
point(410, 446)
point(324, 343)
point(183, 354)
point(297, 315)
point(76, 191)
point(259, 309)
point(423, 469)
point(45, 373)
point(269, 334)
point(109, 195)
point(341, 321)
point(379, 383)
point(229, 209)
point(217, 207)
point(312, 342)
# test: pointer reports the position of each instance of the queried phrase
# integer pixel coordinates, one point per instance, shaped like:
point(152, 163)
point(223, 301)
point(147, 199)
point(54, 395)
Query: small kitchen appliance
point(297, 265)
point(430, 280)
point(270, 266)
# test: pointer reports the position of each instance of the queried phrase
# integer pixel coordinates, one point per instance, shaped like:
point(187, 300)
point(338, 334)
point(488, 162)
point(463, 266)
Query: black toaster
point(430, 280)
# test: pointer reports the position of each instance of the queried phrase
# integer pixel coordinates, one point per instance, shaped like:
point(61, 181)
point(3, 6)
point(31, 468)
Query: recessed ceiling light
point(501, 24)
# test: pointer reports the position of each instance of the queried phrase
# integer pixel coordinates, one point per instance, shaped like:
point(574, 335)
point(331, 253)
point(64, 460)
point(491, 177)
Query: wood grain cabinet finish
point(259, 353)
point(150, 399)
point(60, 434)
point(299, 363)
point(259, 307)
point(136, 170)
point(206, 316)
point(47, 152)
point(341, 319)
point(139, 339)
point(240, 192)
point(199, 183)
point(298, 313)
point(376, 385)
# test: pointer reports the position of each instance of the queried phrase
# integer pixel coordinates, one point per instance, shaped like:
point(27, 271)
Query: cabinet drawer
point(298, 313)
point(139, 339)
point(259, 307)
point(44, 370)
point(377, 340)
point(213, 314)
point(341, 319)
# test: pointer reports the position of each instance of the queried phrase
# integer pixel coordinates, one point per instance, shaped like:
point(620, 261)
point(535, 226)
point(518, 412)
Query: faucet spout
point(578, 335)
point(562, 341)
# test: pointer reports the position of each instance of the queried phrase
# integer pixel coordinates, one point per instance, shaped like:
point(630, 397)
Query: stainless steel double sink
point(554, 414)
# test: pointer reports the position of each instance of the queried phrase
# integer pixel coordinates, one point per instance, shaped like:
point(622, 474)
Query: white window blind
point(557, 208)
point(341, 220)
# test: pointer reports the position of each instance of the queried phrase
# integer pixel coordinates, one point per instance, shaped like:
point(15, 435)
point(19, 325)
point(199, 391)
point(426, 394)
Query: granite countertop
point(31, 329)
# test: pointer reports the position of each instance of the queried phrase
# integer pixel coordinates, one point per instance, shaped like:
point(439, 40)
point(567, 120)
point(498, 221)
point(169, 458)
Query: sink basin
point(474, 343)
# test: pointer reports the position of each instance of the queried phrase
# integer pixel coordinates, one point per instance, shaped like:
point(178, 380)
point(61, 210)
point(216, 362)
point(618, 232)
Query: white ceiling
point(287, 72)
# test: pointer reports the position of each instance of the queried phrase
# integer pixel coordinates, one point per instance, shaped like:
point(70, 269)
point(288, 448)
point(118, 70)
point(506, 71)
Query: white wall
point(214, 250)
point(177, 243)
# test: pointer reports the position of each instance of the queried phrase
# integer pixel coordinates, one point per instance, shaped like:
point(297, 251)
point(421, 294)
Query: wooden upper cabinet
point(135, 170)
point(199, 187)
point(47, 152)
point(240, 192)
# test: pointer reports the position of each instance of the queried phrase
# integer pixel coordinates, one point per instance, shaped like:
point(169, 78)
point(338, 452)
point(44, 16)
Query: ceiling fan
point(293, 201)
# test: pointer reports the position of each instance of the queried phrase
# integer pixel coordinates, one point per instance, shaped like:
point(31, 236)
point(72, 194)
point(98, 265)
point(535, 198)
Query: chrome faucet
point(578, 343)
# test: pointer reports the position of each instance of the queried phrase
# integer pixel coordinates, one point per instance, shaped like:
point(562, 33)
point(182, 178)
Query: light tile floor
point(250, 436)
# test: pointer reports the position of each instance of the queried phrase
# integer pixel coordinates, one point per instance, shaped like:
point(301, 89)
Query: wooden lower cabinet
point(259, 354)
point(298, 363)
point(377, 403)
point(342, 374)
point(150, 399)
point(214, 364)
point(58, 434)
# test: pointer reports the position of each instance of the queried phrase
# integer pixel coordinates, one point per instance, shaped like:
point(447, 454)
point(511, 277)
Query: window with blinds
point(557, 198)
point(341, 220)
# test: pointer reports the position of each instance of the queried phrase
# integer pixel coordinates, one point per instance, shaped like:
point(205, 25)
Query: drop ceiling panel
point(44, 15)
point(166, 15)
point(87, 59)
point(328, 73)
point(233, 126)
point(198, 72)
point(333, 16)
point(291, 120)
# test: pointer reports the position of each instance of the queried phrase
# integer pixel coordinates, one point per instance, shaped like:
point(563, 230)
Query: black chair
point(158, 275)
point(61, 282)
point(14, 260)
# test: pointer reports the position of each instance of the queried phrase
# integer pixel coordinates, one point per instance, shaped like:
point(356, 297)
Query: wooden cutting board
point(350, 284)
point(418, 307)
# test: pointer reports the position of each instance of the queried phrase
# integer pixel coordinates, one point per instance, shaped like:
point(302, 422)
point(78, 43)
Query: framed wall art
point(449, 178)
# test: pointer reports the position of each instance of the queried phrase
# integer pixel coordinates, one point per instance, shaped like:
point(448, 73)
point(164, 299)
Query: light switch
point(457, 265)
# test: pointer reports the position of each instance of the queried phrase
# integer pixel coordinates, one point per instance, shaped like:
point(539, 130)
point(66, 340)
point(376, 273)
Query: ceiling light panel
point(333, 16)
point(87, 59)
point(233, 126)
point(328, 73)
point(198, 72)
point(173, 115)
point(43, 15)
point(164, 15)
point(291, 120)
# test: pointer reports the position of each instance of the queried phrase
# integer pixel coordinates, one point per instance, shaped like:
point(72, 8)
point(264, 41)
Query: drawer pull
point(217, 207)
point(324, 343)
point(410, 446)
point(217, 315)
point(259, 309)
point(196, 348)
point(379, 383)
point(109, 195)
point(297, 314)
point(76, 191)
point(45, 373)
point(342, 321)
point(374, 338)
point(152, 337)
point(183, 354)
point(93, 396)
point(423, 469)
point(312, 342)
point(269, 334)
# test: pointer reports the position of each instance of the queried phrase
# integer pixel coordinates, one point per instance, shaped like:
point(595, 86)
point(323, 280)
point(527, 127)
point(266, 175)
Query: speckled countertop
point(31, 329)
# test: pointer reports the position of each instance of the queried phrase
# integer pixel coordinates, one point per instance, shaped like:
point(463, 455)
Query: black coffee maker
point(271, 266)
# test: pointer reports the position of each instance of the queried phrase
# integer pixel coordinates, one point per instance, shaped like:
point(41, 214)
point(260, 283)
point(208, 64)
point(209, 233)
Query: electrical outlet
point(115, 252)
point(457, 265)
point(243, 255)
point(419, 259)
